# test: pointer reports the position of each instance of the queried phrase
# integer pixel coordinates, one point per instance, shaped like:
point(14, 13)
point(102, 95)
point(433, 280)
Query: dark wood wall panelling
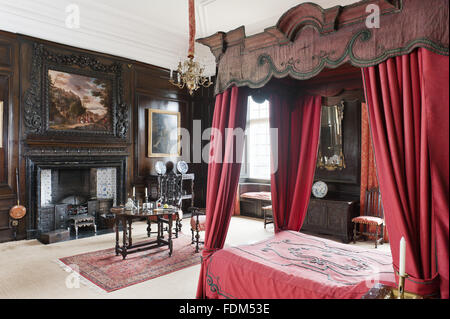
point(9, 153)
point(144, 87)
point(153, 91)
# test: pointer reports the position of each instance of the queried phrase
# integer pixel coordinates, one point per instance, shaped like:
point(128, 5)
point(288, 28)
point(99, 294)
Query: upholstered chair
point(198, 224)
point(373, 218)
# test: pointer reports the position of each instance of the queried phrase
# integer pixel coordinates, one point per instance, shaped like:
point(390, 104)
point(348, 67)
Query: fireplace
point(59, 188)
point(59, 185)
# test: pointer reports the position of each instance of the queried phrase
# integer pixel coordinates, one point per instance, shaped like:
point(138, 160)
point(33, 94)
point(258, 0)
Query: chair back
point(171, 189)
point(373, 205)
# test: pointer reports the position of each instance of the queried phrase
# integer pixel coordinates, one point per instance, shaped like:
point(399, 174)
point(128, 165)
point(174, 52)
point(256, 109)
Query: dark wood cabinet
point(331, 217)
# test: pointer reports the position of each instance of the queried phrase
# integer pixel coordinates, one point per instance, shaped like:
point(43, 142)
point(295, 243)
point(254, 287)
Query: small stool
point(268, 216)
point(83, 220)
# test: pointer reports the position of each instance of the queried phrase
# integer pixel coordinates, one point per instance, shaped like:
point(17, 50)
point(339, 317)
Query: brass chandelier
point(190, 73)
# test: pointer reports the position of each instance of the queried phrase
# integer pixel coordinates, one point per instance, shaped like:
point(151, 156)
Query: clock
point(319, 189)
point(182, 167)
point(160, 168)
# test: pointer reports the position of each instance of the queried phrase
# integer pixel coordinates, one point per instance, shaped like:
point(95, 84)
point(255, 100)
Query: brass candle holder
point(401, 285)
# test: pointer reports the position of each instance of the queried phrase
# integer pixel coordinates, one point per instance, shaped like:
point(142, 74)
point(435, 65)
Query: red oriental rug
point(110, 272)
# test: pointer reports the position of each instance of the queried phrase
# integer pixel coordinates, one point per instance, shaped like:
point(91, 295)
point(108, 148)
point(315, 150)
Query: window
point(256, 164)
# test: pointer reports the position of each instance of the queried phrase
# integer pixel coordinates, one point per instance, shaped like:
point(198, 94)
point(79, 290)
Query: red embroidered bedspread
point(293, 265)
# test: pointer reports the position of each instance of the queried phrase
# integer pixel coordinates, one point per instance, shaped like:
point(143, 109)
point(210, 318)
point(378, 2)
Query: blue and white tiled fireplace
point(51, 180)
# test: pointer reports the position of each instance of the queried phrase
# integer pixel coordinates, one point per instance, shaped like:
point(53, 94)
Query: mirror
point(331, 156)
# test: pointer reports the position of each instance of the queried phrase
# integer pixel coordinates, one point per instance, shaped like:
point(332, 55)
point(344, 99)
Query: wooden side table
point(126, 218)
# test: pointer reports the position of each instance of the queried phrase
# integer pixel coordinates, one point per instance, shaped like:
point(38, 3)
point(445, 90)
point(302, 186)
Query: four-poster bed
point(404, 66)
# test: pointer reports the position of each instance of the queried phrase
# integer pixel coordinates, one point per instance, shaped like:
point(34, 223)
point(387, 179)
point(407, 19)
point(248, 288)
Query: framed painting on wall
point(74, 94)
point(163, 133)
point(79, 103)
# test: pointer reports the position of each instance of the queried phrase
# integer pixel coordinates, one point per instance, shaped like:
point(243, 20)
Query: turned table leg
point(117, 235)
point(170, 235)
point(149, 227)
point(124, 248)
point(176, 226)
point(197, 239)
point(130, 240)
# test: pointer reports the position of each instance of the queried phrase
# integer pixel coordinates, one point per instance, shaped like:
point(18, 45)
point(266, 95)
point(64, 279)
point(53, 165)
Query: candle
point(146, 194)
point(171, 74)
point(401, 268)
point(134, 191)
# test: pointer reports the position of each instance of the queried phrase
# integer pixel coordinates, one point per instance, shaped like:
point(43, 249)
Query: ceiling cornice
point(126, 36)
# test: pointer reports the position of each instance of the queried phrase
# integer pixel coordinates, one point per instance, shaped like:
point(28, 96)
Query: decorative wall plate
point(160, 168)
point(320, 189)
point(182, 167)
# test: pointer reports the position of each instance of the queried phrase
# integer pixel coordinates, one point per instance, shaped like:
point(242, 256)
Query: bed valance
point(308, 39)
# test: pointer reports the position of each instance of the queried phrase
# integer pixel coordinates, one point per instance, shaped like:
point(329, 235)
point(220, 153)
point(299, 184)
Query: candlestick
point(401, 268)
point(146, 192)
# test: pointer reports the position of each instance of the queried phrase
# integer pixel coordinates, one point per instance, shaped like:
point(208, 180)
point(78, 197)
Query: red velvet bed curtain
point(408, 109)
point(298, 124)
point(223, 176)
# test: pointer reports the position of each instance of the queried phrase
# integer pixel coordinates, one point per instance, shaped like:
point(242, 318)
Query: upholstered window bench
point(253, 197)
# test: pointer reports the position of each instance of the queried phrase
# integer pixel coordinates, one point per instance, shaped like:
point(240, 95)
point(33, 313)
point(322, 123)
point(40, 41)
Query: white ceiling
point(151, 31)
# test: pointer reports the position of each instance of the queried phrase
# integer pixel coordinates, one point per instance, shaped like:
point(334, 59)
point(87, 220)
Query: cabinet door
point(337, 218)
point(316, 217)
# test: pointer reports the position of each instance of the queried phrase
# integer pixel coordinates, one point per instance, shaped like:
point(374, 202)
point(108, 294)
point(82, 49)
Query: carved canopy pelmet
point(308, 39)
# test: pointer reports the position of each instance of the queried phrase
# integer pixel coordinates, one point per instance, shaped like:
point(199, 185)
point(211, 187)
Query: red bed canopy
point(404, 64)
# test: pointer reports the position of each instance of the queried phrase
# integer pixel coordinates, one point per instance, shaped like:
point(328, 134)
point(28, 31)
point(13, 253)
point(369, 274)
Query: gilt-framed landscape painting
point(163, 133)
point(79, 102)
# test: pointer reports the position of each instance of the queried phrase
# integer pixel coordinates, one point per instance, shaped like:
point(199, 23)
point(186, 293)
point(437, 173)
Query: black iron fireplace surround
point(35, 164)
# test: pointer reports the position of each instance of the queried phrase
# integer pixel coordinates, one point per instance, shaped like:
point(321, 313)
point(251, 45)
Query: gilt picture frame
point(163, 133)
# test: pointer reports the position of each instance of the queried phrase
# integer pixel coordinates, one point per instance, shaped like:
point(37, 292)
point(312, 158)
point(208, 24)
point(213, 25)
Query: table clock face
point(160, 168)
point(182, 167)
point(320, 189)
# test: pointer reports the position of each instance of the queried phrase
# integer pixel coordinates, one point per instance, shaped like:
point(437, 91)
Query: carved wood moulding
point(70, 151)
point(307, 39)
point(36, 101)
